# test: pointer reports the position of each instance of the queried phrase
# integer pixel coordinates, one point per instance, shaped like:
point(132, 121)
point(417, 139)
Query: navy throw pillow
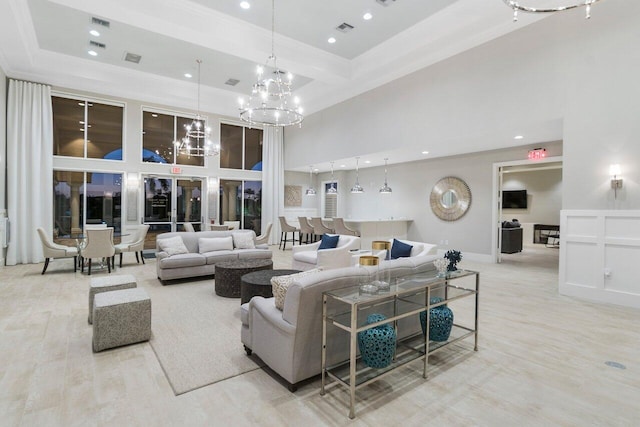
point(400, 250)
point(329, 242)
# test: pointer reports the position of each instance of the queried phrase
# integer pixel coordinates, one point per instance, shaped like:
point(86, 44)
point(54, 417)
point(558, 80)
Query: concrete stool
point(120, 318)
point(106, 284)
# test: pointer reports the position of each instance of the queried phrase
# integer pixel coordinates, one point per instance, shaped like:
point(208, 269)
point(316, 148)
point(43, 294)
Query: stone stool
point(121, 317)
point(106, 284)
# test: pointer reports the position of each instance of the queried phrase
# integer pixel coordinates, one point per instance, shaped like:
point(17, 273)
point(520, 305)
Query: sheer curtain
point(272, 180)
point(29, 169)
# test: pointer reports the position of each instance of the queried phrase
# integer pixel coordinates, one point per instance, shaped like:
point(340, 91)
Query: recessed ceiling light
point(92, 53)
point(367, 161)
point(187, 75)
point(154, 115)
point(367, 16)
point(245, 4)
point(94, 33)
point(331, 40)
point(343, 166)
point(316, 169)
point(425, 152)
point(518, 137)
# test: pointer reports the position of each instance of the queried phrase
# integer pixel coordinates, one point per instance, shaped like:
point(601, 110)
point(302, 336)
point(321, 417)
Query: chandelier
point(270, 102)
point(310, 191)
point(357, 188)
point(196, 142)
point(385, 189)
point(548, 6)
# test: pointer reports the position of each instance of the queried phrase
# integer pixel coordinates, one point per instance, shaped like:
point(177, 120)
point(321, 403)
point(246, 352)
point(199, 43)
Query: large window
point(87, 129)
point(241, 201)
point(86, 198)
point(240, 147)
point(159, 133)
point(330, 201)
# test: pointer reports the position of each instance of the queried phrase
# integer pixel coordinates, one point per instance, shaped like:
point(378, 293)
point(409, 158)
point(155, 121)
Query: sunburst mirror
point(450, 198)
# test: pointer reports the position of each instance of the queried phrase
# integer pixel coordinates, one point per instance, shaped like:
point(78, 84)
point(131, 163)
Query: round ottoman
point(229, 273)
point(258, 283)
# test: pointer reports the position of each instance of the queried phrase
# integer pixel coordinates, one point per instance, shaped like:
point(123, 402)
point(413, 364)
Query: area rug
point(196, 334)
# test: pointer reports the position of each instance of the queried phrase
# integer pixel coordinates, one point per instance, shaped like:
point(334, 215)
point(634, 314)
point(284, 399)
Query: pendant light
point(310, 191)
point(357, 188)
point(385, 189)
point(332, 191)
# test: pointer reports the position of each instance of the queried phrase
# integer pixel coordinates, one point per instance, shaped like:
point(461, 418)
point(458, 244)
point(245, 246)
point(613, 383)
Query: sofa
point(417, 248)
point(289, 341)
point(308, 256)
point(200, 261)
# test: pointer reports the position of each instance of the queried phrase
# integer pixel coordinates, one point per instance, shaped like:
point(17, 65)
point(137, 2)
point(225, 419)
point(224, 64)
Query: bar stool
point(284, 229)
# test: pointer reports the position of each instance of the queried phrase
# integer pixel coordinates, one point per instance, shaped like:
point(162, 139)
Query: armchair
point(53, 250)
point(188, 227)
point(308, 256)
point(99, 245)
point(133, 243)
point(263, 239)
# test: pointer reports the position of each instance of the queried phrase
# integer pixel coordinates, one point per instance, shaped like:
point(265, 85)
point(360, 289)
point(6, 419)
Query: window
point(330, 202)
point(240, 147)
point(159, 131)
point(84, 198)
point(241, 201)
point(87, 129)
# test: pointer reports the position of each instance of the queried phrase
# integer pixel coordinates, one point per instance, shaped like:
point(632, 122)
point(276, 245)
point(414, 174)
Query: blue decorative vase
point(377, 345)
point(440, 321)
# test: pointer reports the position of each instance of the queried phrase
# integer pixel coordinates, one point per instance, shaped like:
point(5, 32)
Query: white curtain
point(272, 180)
point(29, 169)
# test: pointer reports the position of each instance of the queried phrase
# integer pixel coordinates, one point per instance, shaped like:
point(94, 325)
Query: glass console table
point(347, 309)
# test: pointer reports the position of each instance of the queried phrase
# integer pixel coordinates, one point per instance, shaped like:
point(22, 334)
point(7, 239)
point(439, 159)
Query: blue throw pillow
point(329, 242)
point(400, 250)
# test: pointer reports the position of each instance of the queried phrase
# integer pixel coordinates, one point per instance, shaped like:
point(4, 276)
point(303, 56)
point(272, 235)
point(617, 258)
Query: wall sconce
point(616, 183)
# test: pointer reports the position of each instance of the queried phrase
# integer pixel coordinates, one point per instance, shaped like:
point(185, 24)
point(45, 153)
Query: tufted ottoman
point(120, 318)
point(106, 284)
point(229, 273)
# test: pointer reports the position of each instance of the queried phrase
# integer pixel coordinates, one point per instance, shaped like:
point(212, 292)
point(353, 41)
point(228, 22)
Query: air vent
point(97, 44)
point(101, 22)
point(132, 57)
point(385, 2)
point(232, 82)
point(344, 27)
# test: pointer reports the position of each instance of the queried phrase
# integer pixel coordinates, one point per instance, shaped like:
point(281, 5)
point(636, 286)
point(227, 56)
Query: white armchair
point(133, 243)
point(263, 239)
point(99, 245)
point(308, 256)
point(53, 250)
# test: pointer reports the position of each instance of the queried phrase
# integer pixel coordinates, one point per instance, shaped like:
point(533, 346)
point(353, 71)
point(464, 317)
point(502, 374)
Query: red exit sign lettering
point(176, 169)
point(537, 154)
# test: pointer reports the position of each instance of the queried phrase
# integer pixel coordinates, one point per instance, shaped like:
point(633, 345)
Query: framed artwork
point(292, 195)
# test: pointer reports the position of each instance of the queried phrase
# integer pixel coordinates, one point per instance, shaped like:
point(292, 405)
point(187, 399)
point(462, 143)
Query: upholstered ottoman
point(106, 284)
point(120, 318)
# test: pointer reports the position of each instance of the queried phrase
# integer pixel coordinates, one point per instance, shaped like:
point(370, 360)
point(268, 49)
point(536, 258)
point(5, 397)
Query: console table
point(346, 309)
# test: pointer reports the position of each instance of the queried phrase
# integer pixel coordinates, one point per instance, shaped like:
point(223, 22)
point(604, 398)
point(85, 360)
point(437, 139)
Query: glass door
point(188, 202)
point(158, 207)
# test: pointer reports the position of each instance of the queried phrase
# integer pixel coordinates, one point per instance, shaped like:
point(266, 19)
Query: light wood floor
point(541, 362)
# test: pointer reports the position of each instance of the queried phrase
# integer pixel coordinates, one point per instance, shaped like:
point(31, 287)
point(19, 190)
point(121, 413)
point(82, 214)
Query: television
point(514, 199)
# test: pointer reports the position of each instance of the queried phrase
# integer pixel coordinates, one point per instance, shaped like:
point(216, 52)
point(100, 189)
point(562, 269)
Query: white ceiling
point(47, 41)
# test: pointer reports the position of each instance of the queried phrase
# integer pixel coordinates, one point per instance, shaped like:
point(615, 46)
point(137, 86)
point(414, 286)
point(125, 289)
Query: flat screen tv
point(514, 199)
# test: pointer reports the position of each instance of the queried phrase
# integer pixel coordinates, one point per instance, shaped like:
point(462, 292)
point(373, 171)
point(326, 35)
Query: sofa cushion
point(243, 240)
point(210, 244)
point(173, 246)
point(183, 260)
point(329, 242)
point(253, 253)
point(219, 256)
point(400, 250)
point(280, 284)
point(310, 257)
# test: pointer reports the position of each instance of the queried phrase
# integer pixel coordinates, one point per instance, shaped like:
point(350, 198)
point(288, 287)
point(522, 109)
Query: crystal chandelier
point(310, 191)
point(332, 191)
point(548, 6)
point(196, 142)
point(270, 102)
point(385, 189)
point(357, 188)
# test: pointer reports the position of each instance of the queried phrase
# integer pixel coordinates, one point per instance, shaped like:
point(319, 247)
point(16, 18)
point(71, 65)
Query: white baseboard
point(600, 295)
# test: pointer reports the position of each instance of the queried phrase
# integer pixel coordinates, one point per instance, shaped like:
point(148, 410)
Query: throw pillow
point(210, 244)
point(400, 250)
point(173, 246)
point(329, 242)
point(280, 284)
point(243, 240)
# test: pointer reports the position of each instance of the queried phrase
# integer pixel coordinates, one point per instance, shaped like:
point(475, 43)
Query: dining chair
point(99, 245)
point(306, 229)
point(132, 243)
point(52, 250)
point(284, 230)
point(188, 227)
point(214, 227)
point(263, 239)
point(340, 228)
point(319, 228)
point(233, 225)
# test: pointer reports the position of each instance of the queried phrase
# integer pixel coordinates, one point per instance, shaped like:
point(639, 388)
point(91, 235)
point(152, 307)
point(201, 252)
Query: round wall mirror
point(450, 198)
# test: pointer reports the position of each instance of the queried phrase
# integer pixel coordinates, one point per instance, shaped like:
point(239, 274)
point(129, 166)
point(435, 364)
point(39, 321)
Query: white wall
point(544, 196)
point(309, 207)
point(3, 156)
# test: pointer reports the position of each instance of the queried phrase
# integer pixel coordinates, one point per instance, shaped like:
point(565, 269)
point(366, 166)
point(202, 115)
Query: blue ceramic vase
point(377, 345)
point(440, 321)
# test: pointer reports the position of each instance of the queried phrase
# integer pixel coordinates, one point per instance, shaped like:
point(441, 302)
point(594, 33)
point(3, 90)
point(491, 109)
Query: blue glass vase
point(377, 345)
point(440, 321)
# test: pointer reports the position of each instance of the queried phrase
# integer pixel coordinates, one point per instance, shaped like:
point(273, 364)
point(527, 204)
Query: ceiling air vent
point(101, 22)
point(232, 82)
point(97, 44)
point(132, 57)
point(344, 27)
point(385, 2)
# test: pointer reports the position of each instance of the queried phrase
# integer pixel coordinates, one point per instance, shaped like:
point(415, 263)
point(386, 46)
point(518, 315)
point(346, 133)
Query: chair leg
point(109, 264)
point(82, 264)
point(75, 263)
point(89, 266)
point(121, 259)
point(141, 257)
point(137, 260)
point(46, 264)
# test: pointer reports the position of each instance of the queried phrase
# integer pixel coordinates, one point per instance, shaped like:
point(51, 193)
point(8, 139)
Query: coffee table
point(258, 283)
point(229, 273)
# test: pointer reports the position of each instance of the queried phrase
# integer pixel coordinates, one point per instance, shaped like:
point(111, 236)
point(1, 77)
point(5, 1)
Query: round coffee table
point(228, 274)
point(258, 283)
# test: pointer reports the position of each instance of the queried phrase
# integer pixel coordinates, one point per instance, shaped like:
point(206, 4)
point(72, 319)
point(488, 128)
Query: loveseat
point(307, 257)
point(202, 255)
point(289, 341)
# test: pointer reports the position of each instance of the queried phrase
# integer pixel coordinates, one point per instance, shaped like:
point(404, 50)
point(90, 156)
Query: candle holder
point(369, 287)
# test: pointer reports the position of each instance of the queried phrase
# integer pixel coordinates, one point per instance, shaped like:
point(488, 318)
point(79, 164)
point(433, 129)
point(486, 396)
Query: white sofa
point(308, 256)
point(290, 341)
point(418, 249)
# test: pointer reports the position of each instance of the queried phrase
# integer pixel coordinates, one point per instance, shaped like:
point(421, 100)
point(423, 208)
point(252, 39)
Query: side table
point(258, 283)
point(229, 273)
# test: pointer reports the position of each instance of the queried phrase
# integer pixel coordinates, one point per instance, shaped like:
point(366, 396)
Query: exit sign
point(176, 170)
point(537, 154)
